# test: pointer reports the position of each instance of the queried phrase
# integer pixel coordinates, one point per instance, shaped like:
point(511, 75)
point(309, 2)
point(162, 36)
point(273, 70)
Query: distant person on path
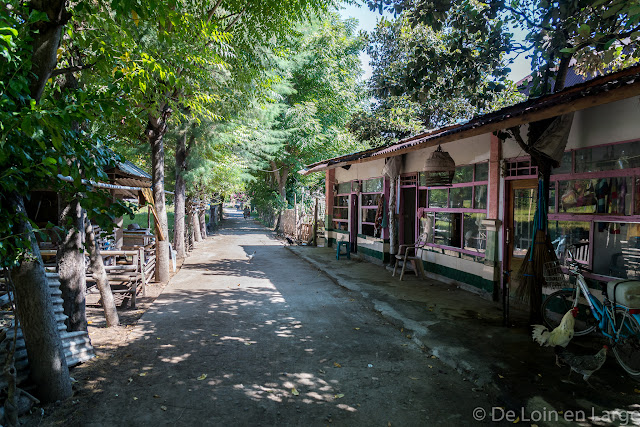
point(247, 212)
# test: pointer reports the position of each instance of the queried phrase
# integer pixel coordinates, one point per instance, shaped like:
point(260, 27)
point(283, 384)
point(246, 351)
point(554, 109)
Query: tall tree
point(319, 88)
point(30, 43)
point(413, 60)
point(253, 29)
point(42, 135)
point(599, 34)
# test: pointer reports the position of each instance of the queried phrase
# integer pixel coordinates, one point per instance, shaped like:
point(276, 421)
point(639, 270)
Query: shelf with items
point(339, 224)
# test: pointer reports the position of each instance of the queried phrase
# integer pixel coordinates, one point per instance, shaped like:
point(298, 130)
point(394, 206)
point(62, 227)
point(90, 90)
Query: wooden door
point(353, 225)
point(407, 216)
point(519, 228)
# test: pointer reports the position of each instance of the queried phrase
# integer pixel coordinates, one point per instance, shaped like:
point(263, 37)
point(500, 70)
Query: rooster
point(561, 335)
point(584, 365)
point(250, 256)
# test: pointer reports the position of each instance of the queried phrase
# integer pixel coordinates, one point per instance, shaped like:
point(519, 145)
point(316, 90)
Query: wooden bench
point(126, 273)
point(128, 270)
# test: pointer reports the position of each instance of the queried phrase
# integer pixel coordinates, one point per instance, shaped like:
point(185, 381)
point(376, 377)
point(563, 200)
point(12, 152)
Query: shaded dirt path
point(268, 342)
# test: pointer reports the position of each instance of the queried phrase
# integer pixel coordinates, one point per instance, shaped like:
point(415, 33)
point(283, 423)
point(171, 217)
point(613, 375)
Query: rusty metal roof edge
point(598, 84)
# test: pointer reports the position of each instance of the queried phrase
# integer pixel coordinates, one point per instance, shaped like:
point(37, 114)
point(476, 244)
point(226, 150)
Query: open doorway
point(353, 226)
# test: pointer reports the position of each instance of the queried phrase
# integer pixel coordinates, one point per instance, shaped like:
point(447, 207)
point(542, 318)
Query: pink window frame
point(633, 173)
point(382, 193)
point(422, 210)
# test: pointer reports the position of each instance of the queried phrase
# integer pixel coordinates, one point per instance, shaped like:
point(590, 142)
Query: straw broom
point(530, 275)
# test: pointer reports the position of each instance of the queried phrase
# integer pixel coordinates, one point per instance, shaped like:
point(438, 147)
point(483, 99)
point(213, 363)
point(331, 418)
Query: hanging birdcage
point(439, 168)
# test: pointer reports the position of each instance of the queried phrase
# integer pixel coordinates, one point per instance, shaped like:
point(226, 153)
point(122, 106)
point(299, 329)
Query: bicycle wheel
point(626, 342)
point(556, 305)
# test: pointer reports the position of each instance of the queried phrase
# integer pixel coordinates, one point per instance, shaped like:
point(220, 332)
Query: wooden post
point(142, 276)
point(315, 224)
point(295, 216)
point(134, 287)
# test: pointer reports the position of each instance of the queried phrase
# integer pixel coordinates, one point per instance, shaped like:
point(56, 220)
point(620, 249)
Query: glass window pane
point(422, 198)
point(344, 188)
point(482, 172)
point(552, 199)
point(616, 249)
point(340, 213)
point(368, 230)
point(579, 196)
point(565, 164)
point(475, 234)
point(446, 230)
point(608, 157)
point(604, 195)
point(460, 197)
point(566, 233)
point(584, 162)
point(481, 197)
point(341, 201)
point(438, 198)
point(370, 199)
point(463, 174)
point(422, 179)
point(374, 185)
point(524, 201)
point(368, 215)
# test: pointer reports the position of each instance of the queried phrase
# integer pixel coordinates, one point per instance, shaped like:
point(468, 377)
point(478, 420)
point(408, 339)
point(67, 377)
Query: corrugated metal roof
point(131, 169)
point(595, 92)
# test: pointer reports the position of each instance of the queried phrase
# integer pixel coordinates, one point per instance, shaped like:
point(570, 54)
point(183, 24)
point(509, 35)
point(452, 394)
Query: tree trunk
point(203, 222)
point(212, 216)
point(281, 181)
point(180, 197)
point(47, 362)
point(71, 266)
point(46, 37)
point(100, 276)
point(561, 75)
point(195, 223)
point(393, 220)
point(33, 299)
point(190, 231)
point(156, 129)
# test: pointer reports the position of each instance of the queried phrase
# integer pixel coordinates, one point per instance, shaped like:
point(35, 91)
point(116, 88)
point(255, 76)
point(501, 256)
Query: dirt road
point(266, 342)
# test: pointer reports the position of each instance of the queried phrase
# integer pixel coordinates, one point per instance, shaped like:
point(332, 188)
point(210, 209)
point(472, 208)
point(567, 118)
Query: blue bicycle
point(617, 317)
